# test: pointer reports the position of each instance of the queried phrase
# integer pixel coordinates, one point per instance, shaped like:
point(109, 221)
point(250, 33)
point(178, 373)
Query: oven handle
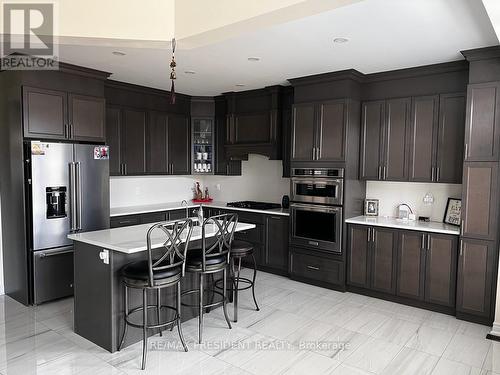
point(310, 207)
point(318, 181)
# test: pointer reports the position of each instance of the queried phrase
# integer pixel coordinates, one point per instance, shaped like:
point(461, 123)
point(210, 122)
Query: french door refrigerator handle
point(78, 181)
point(72, 196)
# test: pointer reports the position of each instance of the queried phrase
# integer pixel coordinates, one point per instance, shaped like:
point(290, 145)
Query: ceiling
point(383, 35)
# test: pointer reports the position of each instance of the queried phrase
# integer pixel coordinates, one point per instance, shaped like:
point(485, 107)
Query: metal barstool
point(240, 250)
point(164, 268)
point(211, 258)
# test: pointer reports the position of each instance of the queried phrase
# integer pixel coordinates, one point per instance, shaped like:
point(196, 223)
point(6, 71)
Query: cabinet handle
point(438, 172)
point(432, 174)
point(318, 153)
point(461, 248)
point(423, 241)
point(379, 172)
point(374, 235)
point(313, 268)
point(462, 228)
point(313, 243)
point(428, 242)
point(314, 153)
point(369, 234)
point(125, 168)
point(384, 172)
point(227, 168)
point(466, 149)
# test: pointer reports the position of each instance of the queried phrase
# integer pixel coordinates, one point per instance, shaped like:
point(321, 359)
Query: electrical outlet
point(218, 187)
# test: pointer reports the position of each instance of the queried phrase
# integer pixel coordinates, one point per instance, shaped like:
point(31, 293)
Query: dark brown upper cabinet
point(319, 131)
point(371, 258)
point(157, 161)
point(133, 141)
point(254, 123)
point(224, 166)
point(384, 139)
point(51, 114)
point(304, 132)
point(423, 132)
point(413, 139)
point(45, 113)
point(482, 135)
point(476, 277)
point(480, 200)
point(113, 136)
point(87, 118)
point(450, 141)
point(179, 145)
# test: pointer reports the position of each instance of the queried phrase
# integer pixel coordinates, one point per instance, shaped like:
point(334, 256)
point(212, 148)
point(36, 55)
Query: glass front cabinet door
point(203, 144)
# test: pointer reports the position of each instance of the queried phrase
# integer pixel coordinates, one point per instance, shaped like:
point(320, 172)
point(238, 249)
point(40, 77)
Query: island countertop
point(391, 222)
point(132, 239)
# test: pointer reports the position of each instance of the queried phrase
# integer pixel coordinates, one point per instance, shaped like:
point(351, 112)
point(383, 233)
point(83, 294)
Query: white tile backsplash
point(391, 194)
point(261, 180)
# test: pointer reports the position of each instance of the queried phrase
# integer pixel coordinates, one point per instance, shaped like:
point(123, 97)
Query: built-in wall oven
point(316, 208)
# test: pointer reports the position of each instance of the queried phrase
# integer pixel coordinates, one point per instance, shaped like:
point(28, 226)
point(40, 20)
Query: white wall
point(261, 180)
point(391, 194)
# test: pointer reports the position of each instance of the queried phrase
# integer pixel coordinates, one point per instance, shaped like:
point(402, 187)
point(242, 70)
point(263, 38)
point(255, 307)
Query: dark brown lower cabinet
point(319, 268)
point(357, 256)
point(383, 260)
point(276, 255)
point(476, 270)
point(441, 269)
point(371, 259)
point(411, 265)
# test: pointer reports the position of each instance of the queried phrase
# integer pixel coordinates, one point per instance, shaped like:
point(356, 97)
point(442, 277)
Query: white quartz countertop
point(391, 222)
point(134, 210)
point(132, 239)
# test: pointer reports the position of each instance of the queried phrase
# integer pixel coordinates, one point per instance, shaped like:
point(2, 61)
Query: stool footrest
point(154, 326)
point(241, 280)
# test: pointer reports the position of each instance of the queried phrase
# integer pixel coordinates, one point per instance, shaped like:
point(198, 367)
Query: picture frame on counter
point(371, 207)
point(453, 212)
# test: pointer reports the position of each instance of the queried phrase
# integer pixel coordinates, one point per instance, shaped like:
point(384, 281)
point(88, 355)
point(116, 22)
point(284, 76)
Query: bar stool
point(164, 268)
point(211, 258)
point(240, 250)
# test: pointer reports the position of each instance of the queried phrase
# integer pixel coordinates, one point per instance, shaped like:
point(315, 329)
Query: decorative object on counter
point(453, 212)
point(404, 212)
point(285, 202)
point(198, 195)
point(371, 207)
point(428, 199)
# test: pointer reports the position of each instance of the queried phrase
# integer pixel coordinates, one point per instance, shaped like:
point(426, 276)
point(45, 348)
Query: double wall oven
point(316, 208)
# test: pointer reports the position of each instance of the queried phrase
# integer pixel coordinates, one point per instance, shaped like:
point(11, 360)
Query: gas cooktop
point(254, 205)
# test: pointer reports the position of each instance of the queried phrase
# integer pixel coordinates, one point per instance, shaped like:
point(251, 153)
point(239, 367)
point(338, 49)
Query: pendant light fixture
point(172, 73)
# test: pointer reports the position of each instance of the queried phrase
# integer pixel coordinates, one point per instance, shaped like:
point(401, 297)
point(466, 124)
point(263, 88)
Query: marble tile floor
point(301, 329)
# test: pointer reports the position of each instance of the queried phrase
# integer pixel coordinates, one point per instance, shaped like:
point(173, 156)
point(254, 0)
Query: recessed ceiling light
point(240, 84)
point(340, 40)
point(118, 53)
point(254, 59)
point(189, 72)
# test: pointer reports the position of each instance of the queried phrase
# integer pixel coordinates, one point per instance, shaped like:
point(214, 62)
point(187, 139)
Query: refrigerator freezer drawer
point(53, 274)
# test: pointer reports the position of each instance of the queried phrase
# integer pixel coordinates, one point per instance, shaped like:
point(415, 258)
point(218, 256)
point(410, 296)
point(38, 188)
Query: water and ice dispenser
point(56, 202)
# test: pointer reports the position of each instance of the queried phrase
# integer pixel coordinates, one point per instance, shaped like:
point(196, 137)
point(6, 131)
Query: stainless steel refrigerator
point(68, 192)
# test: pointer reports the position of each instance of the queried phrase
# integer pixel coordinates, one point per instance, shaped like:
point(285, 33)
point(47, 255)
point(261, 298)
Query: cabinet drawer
point(255, 235)
point(316, 267)
point(125, 221)
point(53, 274)
point(153, 217)
point(177, 214)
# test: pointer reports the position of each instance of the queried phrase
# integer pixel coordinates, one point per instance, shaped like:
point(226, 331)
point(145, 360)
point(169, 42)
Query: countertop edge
point(404, 227)
point(194, 205)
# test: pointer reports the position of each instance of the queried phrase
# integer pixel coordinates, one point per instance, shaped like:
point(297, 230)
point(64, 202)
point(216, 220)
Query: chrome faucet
point(185, 203)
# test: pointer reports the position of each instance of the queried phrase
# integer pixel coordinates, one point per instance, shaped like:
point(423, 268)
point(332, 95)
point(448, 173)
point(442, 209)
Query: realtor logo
point(28, 36)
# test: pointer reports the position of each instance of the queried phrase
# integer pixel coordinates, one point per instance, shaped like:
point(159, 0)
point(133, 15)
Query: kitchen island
point(98, 259)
